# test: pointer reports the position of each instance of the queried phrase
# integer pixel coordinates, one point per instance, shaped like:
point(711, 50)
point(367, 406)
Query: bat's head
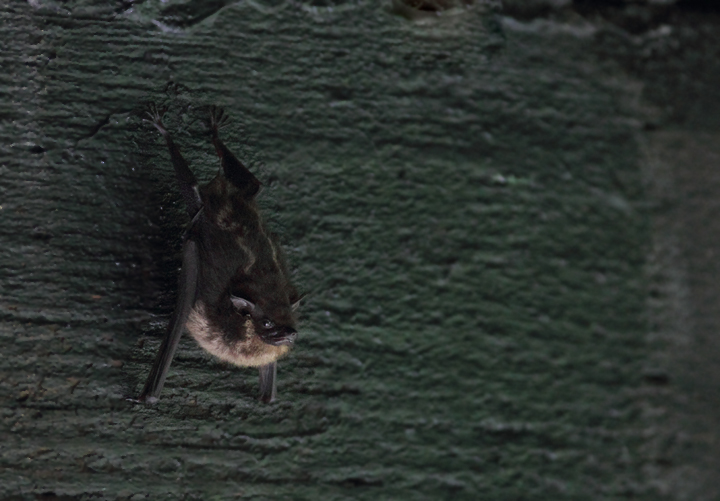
point(273, 324)
point(242, 332)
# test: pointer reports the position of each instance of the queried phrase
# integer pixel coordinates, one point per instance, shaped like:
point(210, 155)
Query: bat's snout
point(284, 336)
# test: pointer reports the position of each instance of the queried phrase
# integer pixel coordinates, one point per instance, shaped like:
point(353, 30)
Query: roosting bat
point(235, 297)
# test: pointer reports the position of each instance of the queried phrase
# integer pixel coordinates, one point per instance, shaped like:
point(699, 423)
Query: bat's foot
point(155, 118)
point(217, 120)
point(142, 399)
point(266, 399)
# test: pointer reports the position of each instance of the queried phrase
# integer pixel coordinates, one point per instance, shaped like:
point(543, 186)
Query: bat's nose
point(292, 335)
point(283, 336)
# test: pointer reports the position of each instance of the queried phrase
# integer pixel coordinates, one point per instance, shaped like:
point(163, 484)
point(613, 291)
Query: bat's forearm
point(185, 302)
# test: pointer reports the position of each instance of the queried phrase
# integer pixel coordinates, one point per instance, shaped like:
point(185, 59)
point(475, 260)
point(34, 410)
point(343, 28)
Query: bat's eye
point(267, 324)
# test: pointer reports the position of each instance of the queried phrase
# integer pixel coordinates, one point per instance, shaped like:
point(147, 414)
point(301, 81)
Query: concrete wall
point(503, 216)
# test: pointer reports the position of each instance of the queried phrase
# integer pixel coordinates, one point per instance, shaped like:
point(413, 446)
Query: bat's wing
point(267, 382)
point(185, 302)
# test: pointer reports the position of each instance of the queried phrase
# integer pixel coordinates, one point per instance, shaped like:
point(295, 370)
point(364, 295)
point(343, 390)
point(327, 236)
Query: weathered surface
point(463, 198)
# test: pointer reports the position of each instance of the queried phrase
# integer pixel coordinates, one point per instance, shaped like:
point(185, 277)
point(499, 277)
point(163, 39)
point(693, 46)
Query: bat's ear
point(296, 304)
point(243, 304)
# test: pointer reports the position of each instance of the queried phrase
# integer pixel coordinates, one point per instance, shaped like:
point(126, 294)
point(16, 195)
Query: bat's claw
point(218, 119)
point(143, 400)
point(155, 116)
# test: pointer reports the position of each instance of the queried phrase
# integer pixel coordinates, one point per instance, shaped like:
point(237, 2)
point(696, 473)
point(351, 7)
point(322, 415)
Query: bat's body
point(235, 297)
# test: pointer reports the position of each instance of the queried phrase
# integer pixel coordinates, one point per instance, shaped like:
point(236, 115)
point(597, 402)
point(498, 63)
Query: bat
point(234, 296)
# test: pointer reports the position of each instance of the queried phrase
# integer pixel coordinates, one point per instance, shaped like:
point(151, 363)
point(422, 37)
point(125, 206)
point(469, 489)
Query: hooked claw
point(155, 116)
point(218, 119)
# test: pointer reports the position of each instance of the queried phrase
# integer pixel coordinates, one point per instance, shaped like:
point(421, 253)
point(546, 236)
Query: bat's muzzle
point(285, 336)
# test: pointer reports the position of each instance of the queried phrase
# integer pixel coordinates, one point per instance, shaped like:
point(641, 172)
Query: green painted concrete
point(461, 197)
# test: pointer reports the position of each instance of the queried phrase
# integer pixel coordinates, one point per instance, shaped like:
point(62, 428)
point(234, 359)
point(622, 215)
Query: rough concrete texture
point(484, 209)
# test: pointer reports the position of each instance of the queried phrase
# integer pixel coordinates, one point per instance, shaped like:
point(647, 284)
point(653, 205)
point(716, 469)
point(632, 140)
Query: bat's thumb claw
point(143, 400)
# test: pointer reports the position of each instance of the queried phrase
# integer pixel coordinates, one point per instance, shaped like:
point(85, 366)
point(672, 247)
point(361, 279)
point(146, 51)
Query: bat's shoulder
point(221, 191)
